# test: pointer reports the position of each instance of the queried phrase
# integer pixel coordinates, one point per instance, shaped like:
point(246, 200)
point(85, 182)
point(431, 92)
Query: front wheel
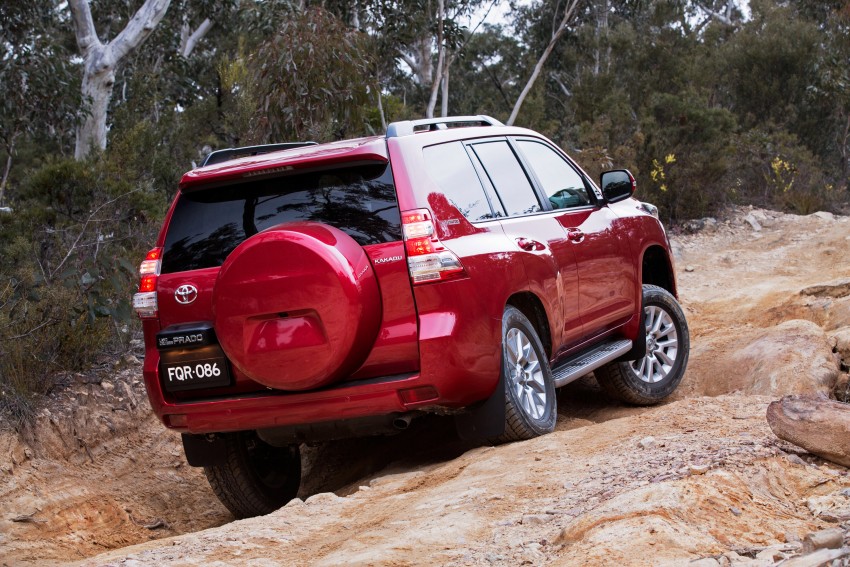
point(254, 478)
point(530, 404)
point(650, 379)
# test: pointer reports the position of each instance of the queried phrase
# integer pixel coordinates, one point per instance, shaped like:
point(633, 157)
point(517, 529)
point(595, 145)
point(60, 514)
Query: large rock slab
point(794, 357)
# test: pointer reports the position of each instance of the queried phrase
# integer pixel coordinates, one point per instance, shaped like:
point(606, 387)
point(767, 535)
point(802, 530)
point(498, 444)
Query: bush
point(68, 255)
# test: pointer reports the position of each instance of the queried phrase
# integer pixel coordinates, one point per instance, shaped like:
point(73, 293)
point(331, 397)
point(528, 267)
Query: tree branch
point(568, 13)
point(138, 28)
point(83, 25)
point(409, 61)
point(189, 42)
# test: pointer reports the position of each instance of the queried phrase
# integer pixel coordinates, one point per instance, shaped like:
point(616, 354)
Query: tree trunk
point(441, 57)
point(100, 60)
point(818, 425)
point(568, 13)
point(97, 91)
point(444, 96)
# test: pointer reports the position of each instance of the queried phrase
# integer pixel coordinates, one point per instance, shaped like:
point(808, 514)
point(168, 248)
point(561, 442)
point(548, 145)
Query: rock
point(735, 511)
point(819, 425)
point(704, 562)
point(795, 459)
point(832, 538)
point(646, 442)
point(842, 344)
point(818, 558)
point(689, 268)
point(751, 220)
point(535, 519)
point(824, 215)
point(322, 498)
point(794, 357)
point(835, 288)
point(831, 507)
point(698, 469)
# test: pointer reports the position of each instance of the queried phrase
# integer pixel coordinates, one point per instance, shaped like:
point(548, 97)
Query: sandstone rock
point(646, 442)
point(819, 425)
point(825, 539)
point(793, 357)
point(751, 220)
point(835, 288)
point(824, 215)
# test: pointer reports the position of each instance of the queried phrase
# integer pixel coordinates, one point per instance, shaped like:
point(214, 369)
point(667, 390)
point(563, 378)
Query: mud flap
point(204, 450)
point(638, 350)
point(485, 421)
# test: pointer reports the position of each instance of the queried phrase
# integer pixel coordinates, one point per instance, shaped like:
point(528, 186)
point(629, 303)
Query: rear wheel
point(530, 404)
point(255, 478)
point(652, 378)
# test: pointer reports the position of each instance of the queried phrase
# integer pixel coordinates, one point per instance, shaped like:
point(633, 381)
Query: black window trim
point(595, 203)
point(490, 187)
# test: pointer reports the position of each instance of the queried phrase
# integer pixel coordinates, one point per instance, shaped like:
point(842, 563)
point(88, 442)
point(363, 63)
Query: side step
point(588, 361)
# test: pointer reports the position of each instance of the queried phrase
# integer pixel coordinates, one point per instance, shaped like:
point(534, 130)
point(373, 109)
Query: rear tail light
point(145, 302)
point(427, 259)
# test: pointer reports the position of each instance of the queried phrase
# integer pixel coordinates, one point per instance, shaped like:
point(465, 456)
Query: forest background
point(105, 104)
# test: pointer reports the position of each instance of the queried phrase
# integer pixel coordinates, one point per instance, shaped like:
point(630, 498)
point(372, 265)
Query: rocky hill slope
point(699, 480)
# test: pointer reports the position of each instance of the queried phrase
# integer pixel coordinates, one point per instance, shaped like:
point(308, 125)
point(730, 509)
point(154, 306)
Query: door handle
point(530, 245)
point(575, 235)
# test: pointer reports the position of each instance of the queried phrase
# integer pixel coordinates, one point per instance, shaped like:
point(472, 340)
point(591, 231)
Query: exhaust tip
point(402, 423)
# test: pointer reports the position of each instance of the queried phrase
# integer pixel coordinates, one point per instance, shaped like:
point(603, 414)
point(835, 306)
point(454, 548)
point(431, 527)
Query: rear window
point(208, 224)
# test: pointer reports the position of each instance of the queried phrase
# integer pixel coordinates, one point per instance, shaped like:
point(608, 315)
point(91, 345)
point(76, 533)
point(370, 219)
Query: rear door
point(548, 257)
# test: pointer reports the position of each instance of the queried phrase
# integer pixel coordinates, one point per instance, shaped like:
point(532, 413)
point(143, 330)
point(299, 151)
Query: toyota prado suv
point(303, 293)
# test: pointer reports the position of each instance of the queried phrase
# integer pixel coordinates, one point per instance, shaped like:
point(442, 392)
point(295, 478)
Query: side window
point(450, 167)
point(562, 184)
point(508, 177)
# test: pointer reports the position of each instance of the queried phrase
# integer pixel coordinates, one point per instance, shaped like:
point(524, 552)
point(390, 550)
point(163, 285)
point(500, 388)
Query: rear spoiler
point(219, 156)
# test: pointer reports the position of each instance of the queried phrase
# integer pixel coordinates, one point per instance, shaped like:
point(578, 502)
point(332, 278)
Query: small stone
point(698, 469)
point(832, 538)
point(689, 268)
point(794, 459)
point(751, 220)
point(646, 442)
point(824, 215)
point(735, 511)
point(322, 497)
point(704, 562)
point(535, 519)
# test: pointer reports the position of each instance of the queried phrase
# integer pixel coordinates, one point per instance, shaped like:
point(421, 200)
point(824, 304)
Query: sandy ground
point(700, 478)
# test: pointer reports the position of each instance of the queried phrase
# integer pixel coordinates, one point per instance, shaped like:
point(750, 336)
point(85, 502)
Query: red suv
point(306, 292)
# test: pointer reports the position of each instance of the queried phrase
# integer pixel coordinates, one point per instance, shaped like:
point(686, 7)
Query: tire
point(530, 404)
point(254, 477)
point(656, 376)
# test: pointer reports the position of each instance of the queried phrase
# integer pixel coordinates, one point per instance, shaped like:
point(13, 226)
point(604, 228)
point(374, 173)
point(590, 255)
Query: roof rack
point(219, 156)
point(408, 127)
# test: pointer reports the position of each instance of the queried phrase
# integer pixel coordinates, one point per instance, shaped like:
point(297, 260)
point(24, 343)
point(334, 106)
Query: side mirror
point(617, 185)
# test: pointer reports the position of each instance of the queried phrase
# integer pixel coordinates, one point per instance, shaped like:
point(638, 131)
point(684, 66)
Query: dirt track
point(712, 479)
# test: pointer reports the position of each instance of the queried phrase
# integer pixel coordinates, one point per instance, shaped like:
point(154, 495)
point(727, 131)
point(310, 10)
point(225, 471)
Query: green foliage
point(68, 254)
point(308, 80)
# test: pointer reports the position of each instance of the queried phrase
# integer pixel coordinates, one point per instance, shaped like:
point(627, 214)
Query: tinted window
point(508, 177)
point(562, 184)
point(450, 167)
point(208, 224)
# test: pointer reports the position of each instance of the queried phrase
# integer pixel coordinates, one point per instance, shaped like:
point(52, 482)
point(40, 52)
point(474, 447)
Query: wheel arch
point(531, 306)
point(657, 269)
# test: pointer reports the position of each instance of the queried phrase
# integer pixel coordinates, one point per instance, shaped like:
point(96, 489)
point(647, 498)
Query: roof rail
point(219, 156)
point(408, 127)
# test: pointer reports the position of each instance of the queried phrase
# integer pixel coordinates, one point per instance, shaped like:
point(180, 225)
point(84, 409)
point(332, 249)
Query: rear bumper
point(263, 410)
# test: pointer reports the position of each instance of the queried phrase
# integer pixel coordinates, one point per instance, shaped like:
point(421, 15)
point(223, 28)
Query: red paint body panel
point(444, 335)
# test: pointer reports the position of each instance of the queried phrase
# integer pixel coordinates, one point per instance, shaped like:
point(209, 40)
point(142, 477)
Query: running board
point(588, 361)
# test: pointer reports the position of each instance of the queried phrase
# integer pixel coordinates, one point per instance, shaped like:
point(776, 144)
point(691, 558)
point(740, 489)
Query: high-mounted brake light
point(145, 302)
point(427, 259)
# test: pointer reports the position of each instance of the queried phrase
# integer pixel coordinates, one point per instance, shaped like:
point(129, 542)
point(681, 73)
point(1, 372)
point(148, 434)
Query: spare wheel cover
point(297, 306)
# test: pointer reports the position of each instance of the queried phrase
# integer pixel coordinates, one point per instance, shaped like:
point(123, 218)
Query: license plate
point(192, 374)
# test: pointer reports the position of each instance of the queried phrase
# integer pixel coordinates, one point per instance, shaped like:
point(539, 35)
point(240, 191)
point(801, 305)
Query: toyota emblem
point(186, 294)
